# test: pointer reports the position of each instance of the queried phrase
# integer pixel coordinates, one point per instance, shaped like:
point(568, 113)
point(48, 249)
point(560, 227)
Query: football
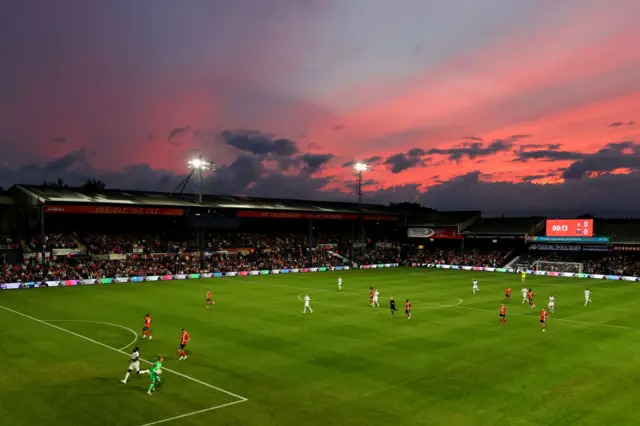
point(158, 371)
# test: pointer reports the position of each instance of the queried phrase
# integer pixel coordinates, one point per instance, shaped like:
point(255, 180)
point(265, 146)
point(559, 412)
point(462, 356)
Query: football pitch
point(256, 360)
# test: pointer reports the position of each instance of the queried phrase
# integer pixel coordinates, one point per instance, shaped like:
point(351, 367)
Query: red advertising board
point(449, 233)
point(569, 228)
point(93, 209)
point(319, 216)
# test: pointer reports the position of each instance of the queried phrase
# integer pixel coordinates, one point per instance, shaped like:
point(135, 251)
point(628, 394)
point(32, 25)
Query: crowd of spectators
point(70, 268)
point(168, 255)
point(468, 257)
point(6, 243)
point(125, 255)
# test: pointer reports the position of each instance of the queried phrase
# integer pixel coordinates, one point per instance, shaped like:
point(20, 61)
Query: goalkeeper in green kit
point(154, 373)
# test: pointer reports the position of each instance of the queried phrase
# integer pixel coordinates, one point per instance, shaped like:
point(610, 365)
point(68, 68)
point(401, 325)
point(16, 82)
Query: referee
point(392, 306)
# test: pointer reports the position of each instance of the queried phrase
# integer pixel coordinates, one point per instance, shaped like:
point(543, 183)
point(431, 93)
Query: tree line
point(91, 184)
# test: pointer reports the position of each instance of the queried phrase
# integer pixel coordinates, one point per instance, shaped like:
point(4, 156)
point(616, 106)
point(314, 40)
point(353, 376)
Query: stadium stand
point(130, 233)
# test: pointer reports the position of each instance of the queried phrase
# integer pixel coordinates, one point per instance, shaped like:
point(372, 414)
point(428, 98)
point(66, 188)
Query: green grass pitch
point(345, 364)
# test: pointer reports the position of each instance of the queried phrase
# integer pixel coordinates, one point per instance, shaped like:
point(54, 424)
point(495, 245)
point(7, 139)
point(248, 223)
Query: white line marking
point(135, 335)
point(238, 397)
point(195, 412)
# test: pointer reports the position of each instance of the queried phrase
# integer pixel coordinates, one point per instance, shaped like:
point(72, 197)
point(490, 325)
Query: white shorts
point(134, 366)
point(552, 305)
point(306, 304)
point(375, 300)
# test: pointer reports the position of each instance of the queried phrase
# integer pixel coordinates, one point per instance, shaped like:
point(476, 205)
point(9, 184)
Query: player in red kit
point(147, 326)
point(503, 314)
point(209, 302)
point(184, 339)
point(407, 309)
point(530, 297)
point(370, 295)
point(543, 319)
point(507, 294)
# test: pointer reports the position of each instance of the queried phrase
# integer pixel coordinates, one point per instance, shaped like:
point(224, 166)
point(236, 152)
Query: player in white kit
point(374, 303)
point(587, 296)
point(525, 298)
point(339, 283)
point(307, 304)
point(475, 287)
point(552, 303)
point(134, 364)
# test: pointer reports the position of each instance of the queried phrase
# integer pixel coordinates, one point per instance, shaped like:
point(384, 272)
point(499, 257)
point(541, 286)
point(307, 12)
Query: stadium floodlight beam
point(198, 166)
point(359, 168)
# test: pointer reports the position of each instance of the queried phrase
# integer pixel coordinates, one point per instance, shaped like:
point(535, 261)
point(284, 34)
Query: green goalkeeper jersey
point(156, 366)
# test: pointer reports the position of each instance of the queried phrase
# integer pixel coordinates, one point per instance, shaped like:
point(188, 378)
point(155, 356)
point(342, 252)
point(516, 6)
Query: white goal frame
point(539, 266)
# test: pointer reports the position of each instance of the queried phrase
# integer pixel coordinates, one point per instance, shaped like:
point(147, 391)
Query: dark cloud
point(369, 161)
point(177, 133)
point(247, 174)
point(473, 138)
point(400, 162)
point(527, 146)
point(600, 196)
point(623, 155)
point(67, 162)
point(549, 155)
point(530, 178)
point(519, 137)
point(150, 136)
point(259, 143)
point(314, 162)
point(622, 123)
point(59, 139)
point(474, 150)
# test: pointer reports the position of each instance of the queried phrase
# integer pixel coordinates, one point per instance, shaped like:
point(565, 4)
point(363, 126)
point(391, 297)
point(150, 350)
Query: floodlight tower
point(198, 166)
point(359, 168)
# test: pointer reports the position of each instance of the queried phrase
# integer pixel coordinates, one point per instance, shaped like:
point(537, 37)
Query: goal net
point(542, 265)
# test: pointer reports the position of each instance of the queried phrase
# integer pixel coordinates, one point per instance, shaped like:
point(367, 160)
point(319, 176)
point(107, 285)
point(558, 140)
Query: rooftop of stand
point(53, 195)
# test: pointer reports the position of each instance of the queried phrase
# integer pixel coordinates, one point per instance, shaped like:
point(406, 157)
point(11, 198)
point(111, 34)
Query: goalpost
point(542, 265)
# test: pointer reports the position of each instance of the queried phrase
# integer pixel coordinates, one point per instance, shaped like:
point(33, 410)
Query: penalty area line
point(193, 413)
point(239, 398)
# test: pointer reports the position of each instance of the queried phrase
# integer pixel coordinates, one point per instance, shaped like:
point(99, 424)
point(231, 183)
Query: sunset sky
point(508, 106)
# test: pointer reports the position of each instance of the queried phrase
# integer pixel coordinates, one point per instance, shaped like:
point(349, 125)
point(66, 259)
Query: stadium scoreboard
point(569, 228)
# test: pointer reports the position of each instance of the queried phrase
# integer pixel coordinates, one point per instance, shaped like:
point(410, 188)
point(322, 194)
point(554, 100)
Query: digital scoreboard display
point(569, 228)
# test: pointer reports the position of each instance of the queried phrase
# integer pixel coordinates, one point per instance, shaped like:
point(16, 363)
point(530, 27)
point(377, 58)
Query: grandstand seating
point(461, 256)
